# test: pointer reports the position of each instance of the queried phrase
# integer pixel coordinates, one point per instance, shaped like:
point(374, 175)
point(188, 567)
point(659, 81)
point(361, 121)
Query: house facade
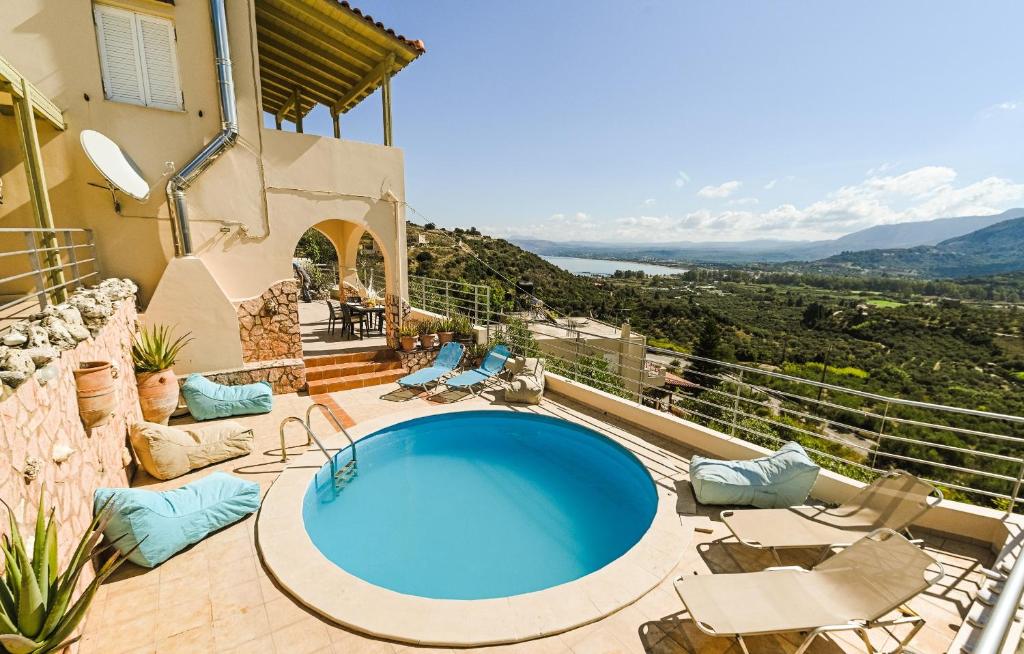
point(207, 99)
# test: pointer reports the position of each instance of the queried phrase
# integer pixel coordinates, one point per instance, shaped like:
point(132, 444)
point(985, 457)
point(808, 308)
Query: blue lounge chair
point(491, 367)
point(447, 361)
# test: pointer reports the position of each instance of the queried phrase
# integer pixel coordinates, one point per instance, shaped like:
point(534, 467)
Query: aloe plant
point(153, 350)
point(36, 612)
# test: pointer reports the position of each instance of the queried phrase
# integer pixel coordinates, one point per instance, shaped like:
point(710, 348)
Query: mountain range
point(888, 237)
point(995, 249)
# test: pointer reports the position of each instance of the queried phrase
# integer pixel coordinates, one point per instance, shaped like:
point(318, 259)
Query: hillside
point(995, 249)
point(901, 235)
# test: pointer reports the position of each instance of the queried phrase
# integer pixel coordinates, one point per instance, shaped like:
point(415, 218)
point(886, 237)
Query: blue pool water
point(481, 504)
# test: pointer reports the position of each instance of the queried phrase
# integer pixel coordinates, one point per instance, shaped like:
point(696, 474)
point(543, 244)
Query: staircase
point(342, 372)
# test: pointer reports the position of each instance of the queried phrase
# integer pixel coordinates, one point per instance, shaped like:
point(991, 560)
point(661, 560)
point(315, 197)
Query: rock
point(57, 331)
point(78, 332)
point(69, 314)
point(37, 336)
point(43, 354)
point(47, 373)
point(15, 367)
point(15, 339)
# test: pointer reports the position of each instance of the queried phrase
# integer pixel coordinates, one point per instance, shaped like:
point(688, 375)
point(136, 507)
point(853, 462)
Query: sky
point(657, 120)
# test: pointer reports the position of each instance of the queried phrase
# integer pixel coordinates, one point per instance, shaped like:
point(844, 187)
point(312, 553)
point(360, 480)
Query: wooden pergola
point(326, 52)
point(30, 104)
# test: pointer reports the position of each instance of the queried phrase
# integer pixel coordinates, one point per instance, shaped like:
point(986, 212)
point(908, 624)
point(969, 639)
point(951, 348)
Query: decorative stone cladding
point(284, 375)
point(395, 312)
point(268, 324)
point(40, 423)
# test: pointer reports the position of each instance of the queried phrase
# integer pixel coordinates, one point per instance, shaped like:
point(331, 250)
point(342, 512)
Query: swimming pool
point(481, 504)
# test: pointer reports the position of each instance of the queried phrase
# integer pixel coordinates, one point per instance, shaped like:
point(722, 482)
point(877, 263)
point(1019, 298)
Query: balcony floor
point(217, 597)
point(317, 341)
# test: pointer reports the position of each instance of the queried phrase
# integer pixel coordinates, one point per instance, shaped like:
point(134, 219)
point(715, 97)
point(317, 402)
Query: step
point(328, 371)
point(383, 354)
point(362, 380)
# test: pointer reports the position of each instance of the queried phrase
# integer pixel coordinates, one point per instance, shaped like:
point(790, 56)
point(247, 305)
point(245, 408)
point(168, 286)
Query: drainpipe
point(225, 139)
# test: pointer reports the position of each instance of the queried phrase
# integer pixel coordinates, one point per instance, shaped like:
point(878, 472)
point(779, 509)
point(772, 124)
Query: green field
point(886, 304)
point(1019, 375)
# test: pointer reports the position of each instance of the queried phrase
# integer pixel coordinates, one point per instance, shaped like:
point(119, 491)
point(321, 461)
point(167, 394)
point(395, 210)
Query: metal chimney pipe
point(225, 139)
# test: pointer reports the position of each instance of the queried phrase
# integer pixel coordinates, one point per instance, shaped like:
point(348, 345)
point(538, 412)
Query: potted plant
point(477, 352)
point(463, 328)
point(445, 330)
point(427, 333)
point(407, 334)
point(153, 354)
point(45, 619)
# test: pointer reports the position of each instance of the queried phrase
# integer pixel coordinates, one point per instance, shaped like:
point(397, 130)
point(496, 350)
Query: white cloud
point(1008, 106)
point(682, 179)
point(650, 202)
point(770, 185)
point(721, 191)
point(879, 169)
point(744, 202)
point(920, 194)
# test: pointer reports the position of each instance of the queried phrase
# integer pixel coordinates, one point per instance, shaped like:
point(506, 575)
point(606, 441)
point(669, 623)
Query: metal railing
point(50, 263)
point(448, 298)
point(974, 455)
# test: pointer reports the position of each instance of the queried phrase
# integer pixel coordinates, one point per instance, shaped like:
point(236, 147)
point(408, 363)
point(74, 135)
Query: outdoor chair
point(332, 317)
point(492, 366)
point(447, 360)
point(864, 587)
point(893, 501)
point(349, 320)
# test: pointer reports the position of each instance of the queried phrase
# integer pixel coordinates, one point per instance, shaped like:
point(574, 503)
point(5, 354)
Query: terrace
point(218, 596)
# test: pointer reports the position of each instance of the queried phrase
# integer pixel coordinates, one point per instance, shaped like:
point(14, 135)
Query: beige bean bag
point(527, 386)
point(169, 452)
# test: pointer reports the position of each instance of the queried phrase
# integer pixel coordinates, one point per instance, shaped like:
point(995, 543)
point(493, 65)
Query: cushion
point(782, 479)
point(528, 386)
point(164, 523)
point(207, 399)
point(169, 452)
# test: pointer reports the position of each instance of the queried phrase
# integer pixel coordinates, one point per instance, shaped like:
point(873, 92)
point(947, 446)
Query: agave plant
point(153, 350)
point(36, 612)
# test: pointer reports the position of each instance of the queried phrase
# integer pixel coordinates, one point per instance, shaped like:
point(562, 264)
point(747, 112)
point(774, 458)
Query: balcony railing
point(974, 455)
point(40, 266)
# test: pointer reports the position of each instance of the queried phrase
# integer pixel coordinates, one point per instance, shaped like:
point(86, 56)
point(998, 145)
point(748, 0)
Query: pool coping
point(299, 567)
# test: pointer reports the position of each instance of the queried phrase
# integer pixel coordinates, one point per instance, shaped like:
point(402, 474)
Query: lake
point(579, 266)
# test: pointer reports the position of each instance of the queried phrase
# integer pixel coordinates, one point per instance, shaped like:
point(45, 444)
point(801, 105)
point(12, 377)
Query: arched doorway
point(345, 278)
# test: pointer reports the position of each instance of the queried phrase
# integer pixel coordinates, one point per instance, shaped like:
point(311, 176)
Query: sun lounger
point(446, 361)
point(490, 368)
point(864, 587)
point(893, 501)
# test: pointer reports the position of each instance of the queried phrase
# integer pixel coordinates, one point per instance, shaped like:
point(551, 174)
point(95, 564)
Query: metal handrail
point(311, 438)
point(334, 418)
point(996, 628)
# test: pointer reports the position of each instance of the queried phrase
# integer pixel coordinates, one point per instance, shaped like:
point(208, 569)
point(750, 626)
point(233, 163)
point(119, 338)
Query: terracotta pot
point(427, 341)
point(408, 343)
point(97, 392)
point(445, 337)
point(158, 395)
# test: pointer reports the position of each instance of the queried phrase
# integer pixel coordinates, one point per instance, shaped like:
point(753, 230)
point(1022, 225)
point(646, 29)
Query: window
point(137, 57)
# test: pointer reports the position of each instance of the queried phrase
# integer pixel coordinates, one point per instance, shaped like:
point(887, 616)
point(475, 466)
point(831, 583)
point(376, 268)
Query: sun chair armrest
point(749, 543)
point(779, 568)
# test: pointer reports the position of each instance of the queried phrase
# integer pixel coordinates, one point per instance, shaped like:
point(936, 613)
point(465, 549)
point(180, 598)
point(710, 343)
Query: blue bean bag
point(207, 399)
point(779, 480)
point(164, 523)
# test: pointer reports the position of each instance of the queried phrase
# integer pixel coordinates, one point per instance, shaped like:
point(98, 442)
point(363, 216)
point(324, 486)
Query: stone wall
point(284, 375)
point(39, 425)
point(420, 358)
point(268, 324)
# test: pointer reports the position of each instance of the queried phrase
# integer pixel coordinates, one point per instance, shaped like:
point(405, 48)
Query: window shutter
point(159, 62)
point(119, 55)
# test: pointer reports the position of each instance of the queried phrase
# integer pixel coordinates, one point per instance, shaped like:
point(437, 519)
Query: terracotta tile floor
point(216, 596)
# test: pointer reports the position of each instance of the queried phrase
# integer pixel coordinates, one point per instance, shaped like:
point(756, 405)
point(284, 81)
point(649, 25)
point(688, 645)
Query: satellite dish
point(115, 165)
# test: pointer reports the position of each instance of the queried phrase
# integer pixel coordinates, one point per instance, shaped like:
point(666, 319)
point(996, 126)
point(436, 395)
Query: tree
point(708, 346)
point(429, 226)
point(814, 314)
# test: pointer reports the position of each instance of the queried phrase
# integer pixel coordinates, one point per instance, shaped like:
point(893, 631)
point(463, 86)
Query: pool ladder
point(340, 476)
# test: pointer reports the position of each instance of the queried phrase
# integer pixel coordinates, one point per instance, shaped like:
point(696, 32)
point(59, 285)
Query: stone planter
point(427, 341)
point(158, 395)
point(97, 392)
point(408, 343)
point(445, 337)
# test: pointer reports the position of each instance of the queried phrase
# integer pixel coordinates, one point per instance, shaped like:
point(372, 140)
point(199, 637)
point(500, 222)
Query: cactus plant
point(153, 350)
point(36, 612)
